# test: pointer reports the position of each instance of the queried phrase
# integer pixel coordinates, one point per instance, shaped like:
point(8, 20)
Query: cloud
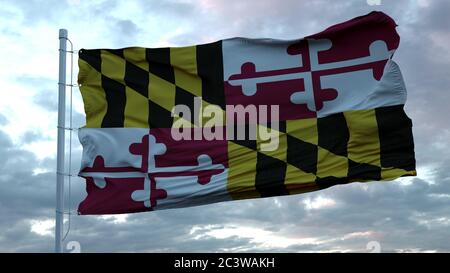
point(127, 27)
point(47, 99)
point(43, 227)
point(3, 120)
point(319, 203)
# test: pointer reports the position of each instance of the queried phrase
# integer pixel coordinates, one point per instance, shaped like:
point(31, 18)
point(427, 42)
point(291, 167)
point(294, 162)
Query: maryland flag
point(242, 118)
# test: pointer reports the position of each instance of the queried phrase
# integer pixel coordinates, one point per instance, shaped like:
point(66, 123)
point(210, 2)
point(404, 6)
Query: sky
point(408, 215)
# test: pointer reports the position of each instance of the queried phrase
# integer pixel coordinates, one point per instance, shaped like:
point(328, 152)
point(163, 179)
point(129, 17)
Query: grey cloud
point(47, 95)
point(25, 196)
point(34, 11)
point(32, 136)
point(47, 99)
point(78, 120)
point(171, 7)
point(125, 31)
point(33, 81)
point(127, 27)
point(437, 15)
point(359, 211)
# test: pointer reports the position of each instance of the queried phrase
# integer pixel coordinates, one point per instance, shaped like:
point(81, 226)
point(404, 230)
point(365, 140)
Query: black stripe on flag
point(301, 154)
point(117, 52)
point(333, 133)
point(183, 97)
point(270, 175)
point(92, 57)
point(158, 117)
point(363, 171)
point(159, 63)
point(251, 144)
point(326, 182)
point(281, 125)
point(116, 100)
point(210, 69)
point(396, 138)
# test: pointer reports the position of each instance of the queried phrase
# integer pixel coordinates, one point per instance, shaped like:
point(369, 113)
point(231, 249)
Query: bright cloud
point(42, 227)
point(319, 202)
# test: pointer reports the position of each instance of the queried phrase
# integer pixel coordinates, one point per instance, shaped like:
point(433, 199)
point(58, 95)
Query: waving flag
point(336, 116)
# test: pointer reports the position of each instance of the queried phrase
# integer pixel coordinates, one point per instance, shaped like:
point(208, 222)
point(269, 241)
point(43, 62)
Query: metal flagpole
point(61, 141)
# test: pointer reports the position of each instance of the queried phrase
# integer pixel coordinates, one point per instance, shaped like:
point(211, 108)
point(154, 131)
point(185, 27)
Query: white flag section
point(361, 83)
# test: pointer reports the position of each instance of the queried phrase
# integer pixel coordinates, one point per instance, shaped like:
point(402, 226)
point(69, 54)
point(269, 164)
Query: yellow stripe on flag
point(303, 129)
point(270, 146)
point(161, 92)
point(113, 66)
point(364, 142)
point(136, 56)
point(93, 95)
point(329, 164)
point(136, 110)
point(298, 181)
point(394, 173)
point(184, 62)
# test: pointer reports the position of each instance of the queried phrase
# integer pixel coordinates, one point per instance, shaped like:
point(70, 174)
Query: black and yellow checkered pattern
point(138, 87)
point(316, 153)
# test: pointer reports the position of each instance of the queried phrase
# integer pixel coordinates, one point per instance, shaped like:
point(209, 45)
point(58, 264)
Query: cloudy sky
point(412, 214)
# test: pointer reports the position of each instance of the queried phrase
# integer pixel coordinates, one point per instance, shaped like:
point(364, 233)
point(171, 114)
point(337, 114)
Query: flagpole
point(61, 141)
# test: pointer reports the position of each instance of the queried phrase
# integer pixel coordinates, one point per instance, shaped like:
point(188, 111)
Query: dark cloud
point(127, 27)
point(23, 197)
